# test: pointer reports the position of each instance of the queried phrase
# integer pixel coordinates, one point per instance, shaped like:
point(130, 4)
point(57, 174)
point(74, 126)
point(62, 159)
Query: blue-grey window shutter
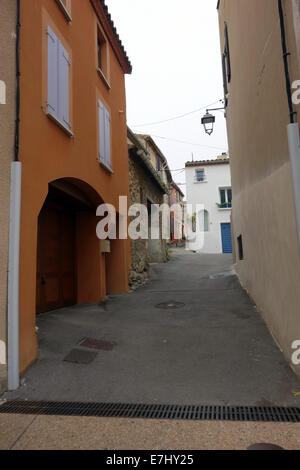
point(102, 131)
point(52, 99)
point(63, 87)
point(107, 138)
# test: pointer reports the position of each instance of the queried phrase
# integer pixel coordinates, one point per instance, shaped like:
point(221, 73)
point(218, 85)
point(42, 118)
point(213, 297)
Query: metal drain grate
point(115, 410)
point(170, 305)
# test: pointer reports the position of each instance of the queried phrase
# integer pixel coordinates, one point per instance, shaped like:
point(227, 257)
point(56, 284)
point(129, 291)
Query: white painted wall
point(208, 193)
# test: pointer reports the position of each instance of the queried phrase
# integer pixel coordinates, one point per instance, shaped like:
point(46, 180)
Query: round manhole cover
point(170, 305)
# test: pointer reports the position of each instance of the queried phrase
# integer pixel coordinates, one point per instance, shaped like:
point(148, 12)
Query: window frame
point(226, 204)
point(102, 57)
point(198, 170)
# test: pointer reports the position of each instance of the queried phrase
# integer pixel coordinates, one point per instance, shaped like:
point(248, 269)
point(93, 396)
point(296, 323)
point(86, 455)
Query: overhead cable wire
point(178, 117)
point(187, 143)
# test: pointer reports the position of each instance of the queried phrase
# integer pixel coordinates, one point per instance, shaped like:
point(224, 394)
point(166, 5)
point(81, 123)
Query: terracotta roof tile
point(103, 13)
point(217, 161)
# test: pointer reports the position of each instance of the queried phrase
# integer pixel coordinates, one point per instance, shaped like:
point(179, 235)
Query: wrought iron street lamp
point(209, 119)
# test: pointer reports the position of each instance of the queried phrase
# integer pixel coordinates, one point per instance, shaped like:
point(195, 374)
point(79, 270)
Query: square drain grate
point(80, 357)
point(98, 344)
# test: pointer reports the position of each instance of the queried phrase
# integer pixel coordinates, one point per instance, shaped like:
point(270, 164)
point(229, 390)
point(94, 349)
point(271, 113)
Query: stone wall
point(143, 188)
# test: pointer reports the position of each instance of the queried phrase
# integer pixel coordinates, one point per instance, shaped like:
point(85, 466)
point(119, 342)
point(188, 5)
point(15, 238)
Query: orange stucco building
point(73, 150)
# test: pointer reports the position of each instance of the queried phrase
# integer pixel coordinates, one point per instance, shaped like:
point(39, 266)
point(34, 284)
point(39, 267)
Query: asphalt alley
point(214, 349)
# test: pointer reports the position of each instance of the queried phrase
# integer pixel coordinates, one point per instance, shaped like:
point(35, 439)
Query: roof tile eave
point(208, 162)
point(119, 48)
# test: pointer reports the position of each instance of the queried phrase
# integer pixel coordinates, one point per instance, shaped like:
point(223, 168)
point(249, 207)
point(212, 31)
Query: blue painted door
point(226, 238)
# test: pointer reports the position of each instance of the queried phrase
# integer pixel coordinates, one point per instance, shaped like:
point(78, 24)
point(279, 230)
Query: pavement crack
point(22, 433)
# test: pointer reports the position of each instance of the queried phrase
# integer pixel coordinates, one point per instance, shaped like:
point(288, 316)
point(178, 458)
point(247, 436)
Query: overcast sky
point(174, 49)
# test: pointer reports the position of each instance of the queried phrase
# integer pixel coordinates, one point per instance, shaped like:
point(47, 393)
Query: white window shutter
point(107, 139)
point(101, 130)
point(52, 99)
point(63, 87)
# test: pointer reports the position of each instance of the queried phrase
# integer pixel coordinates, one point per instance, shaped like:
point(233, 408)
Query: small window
point(225, 198)
point(200, 176)
point(102, 52)
point(240, 247)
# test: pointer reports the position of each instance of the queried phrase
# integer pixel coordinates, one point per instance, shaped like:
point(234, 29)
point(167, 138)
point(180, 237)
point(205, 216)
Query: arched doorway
point(68, 251)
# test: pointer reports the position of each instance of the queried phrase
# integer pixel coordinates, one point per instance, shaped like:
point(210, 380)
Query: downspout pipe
point(292, 128)
point(294, 150)
point(285, 62)
point(14, 240)
point(13, 278)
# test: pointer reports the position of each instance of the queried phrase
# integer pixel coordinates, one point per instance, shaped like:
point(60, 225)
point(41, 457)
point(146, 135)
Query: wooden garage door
point(56, 259)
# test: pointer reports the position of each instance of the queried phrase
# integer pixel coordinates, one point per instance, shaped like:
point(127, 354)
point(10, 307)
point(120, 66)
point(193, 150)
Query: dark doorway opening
point(56, 250)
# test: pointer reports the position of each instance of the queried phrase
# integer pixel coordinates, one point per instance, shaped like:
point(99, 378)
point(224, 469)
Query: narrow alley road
point(213, 349)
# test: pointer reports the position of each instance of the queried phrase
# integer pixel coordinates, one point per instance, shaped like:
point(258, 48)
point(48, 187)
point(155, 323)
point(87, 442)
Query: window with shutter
point(226, 64)
point(107, 139)
point(52, 101)
point(63, 89)
point(101, 131)
point(227, 54)
point(104, 135)
point(225, 85)
point(58, 81)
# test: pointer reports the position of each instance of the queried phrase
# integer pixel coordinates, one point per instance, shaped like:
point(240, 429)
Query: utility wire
point(187, 143)
point(177, 117)
point(180, 169)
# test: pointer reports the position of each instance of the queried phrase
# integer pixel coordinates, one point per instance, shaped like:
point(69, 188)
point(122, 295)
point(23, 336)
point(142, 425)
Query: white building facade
point(209, 199)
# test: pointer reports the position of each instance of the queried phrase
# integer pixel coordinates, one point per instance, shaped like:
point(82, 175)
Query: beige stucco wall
point(263, 206)
point(7, 126)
